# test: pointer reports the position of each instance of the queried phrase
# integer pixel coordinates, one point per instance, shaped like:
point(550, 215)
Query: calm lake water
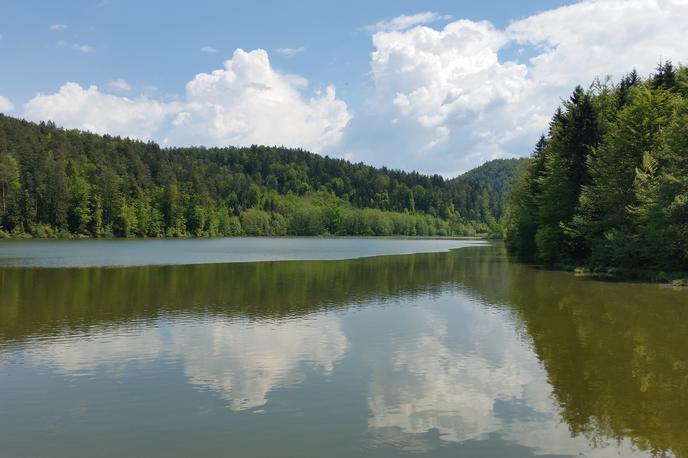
point(112, 253)
point(454, 353)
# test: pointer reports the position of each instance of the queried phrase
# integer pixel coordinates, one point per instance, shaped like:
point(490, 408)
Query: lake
point(411, 349)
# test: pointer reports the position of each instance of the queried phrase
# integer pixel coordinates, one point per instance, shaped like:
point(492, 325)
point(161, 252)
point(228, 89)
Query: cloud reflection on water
point(242, 360)
point(463, 371)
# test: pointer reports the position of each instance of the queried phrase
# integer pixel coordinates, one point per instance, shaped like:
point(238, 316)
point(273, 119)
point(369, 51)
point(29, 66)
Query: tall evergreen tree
point(660, 210)
point(604, 220)
point(523, 219)
point(610, 187)
point(665, 76)
point(573, 135)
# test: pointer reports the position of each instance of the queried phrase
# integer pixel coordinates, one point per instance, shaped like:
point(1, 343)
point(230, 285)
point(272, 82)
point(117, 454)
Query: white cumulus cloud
point(208, 50)
point(5, 105)
point(448, 99)
point(602, 37)
point(245, 102)
point(57, 27)
point(249, 102)
point(445, 99)
point(90, 109)
point(434, 75)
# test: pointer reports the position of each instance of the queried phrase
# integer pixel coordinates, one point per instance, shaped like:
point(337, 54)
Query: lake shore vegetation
point(606, 190)
point(68, 183)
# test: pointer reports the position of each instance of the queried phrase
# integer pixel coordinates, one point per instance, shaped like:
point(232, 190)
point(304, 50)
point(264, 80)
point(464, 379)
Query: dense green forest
point(61, 183)
point(607, 187)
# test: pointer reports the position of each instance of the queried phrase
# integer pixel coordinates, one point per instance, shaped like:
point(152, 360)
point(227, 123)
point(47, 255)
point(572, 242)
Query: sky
point(434, 86)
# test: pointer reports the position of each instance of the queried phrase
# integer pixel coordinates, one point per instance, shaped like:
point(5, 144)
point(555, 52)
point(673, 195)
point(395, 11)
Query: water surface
point(459, 353)
point(141, 252)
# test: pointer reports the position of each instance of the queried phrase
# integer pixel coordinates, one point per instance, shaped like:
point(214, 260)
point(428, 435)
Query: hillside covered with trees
point(56, 182)
point(607, 187)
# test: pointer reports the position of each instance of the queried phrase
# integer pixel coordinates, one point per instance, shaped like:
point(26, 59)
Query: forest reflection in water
point(441, 353)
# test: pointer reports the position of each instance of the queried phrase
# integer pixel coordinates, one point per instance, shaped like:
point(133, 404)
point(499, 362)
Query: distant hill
point(59, 182)
point(481, 193)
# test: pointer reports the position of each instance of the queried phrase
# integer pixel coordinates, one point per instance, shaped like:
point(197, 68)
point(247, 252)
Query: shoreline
point(619, 274)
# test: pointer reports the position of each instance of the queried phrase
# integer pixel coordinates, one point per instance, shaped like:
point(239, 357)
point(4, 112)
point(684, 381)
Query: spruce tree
point(603, 218)
point(573, 135)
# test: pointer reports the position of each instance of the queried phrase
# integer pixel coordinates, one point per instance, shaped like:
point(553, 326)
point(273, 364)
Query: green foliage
point(56, 182)
point(608, 186)
point(479, 194)
point(572, 136)
point(523, 218)
point(10, 190)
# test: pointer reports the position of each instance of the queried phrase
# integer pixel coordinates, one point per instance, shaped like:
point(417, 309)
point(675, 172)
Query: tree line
point(61, 183)
point(607, 187)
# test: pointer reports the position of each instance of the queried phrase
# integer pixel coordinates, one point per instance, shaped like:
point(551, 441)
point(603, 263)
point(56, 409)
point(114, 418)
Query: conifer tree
point(573, 135)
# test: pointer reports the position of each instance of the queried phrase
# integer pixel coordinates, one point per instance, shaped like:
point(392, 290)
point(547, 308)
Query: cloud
point(208, 50)
point(404, 22)
point(433, 76)
point(5, 105)
point(448, 99)
point(290, 51)
point(57, 27)
point(246, 102)
point(89, 109)
point(119, 85)
point(249, 102)
point(436, 94)
point(576, 44)
point(444, 99)
point(84, 49)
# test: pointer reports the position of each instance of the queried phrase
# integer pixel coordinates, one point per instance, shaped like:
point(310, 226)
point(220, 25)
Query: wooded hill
point(607, 187)
point(57, 182)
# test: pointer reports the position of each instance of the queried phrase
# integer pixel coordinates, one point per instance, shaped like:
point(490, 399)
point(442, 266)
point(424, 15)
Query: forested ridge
point(607, 187)
point(62, 183)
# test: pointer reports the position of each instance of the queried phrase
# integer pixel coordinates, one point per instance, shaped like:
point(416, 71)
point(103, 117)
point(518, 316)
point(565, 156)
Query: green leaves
point(609, 188)
point(74, 183)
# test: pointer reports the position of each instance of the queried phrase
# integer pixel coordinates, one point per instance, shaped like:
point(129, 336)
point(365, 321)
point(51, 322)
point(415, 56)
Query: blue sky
point(449, 85)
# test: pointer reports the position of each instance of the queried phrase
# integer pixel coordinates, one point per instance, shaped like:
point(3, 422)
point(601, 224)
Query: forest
point(606, 189)
point(68, 183)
